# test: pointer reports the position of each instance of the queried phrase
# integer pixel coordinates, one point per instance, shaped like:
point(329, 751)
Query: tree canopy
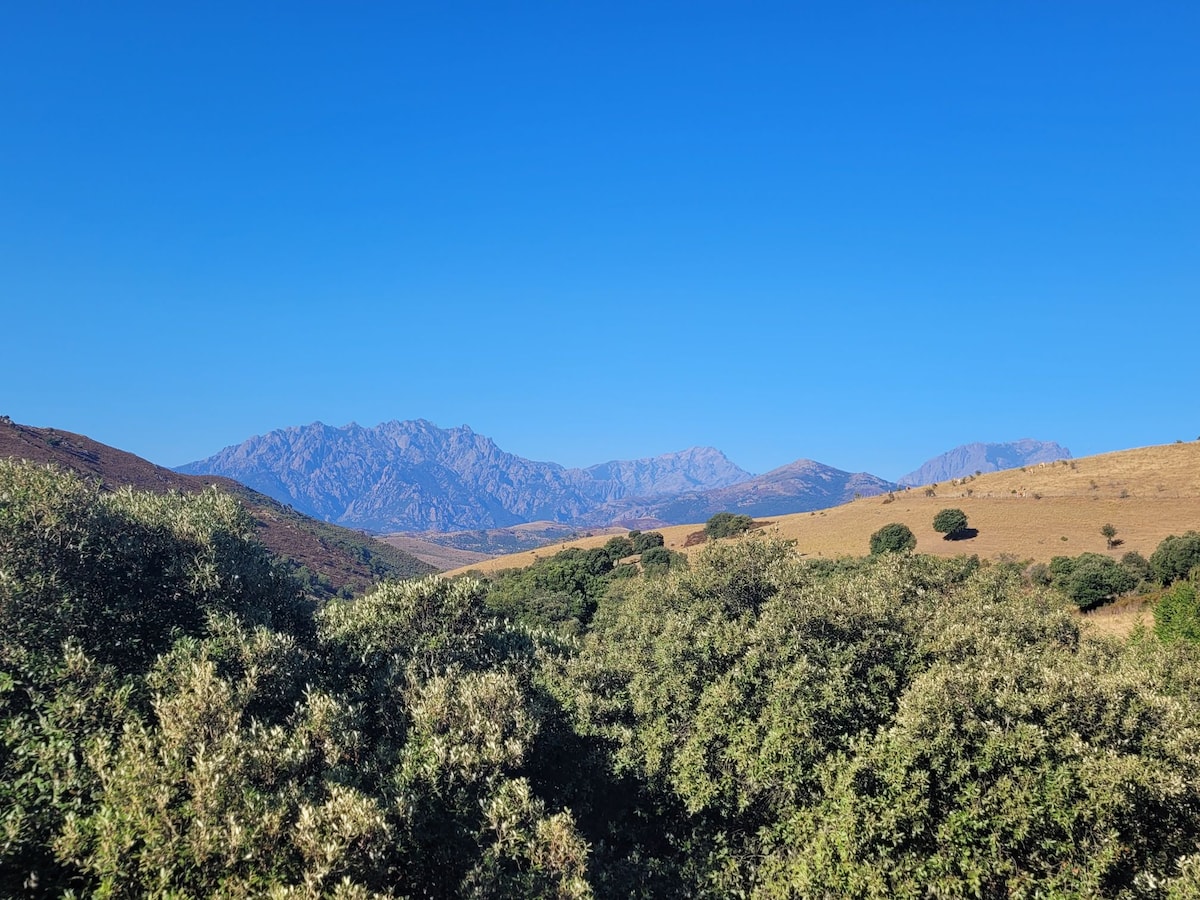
point(177, 720)
point(727, 524)
point(950, 522)
point(894, 537)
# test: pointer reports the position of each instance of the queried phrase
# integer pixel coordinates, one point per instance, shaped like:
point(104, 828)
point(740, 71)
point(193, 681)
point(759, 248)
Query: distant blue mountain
point(971, 458)
point(415, 476)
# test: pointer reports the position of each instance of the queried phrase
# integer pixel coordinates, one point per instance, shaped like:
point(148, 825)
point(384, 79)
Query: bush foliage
point(1176, 557)
point(895, 537)
point(727, 524)
point(950, 522)
point(176, 721)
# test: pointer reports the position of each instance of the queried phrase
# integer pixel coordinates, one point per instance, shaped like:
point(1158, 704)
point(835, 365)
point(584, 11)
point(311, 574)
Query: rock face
point(414, 476)
point(971, 458)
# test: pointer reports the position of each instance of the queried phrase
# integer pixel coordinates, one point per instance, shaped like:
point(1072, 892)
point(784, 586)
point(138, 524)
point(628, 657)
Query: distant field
point(460, 549)
point(1044, 511)
point(436, 555)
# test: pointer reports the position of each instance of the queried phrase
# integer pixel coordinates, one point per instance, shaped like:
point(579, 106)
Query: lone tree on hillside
point(950, 522)
point(727, 524)
point(1109, 531)
point(895, 537)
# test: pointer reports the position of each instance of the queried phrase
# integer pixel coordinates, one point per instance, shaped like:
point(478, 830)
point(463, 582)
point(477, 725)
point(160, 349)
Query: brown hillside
point(1035, 514)
point(346, 558)
point(436, 555)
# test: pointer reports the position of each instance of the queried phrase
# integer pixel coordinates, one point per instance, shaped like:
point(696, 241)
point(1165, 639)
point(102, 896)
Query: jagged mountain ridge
point(415, 476)
point(980, 457)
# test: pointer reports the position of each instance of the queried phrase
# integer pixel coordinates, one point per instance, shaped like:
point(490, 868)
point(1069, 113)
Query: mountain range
point(415, 476)
point(970, 459)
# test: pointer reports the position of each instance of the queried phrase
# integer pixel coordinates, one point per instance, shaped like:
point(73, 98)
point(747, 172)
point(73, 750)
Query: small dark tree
point(618, 548)
point(727, 524)
point(951, 523)
point(645, 540)
point(659, 560)
point(1109, 531)
point(1175, 557)
point(1095, 579)
point(1137, 565)
point(895, 537)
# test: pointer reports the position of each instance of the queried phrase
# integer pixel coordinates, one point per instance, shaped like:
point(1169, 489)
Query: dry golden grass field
point(1031, 514)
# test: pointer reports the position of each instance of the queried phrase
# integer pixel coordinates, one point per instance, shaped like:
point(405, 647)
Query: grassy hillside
point(335, 558)
point(1036, 513)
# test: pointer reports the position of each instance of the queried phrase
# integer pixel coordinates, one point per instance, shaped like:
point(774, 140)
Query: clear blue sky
point(861, 233)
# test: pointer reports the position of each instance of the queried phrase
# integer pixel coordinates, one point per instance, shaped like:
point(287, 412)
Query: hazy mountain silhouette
point(971, 458)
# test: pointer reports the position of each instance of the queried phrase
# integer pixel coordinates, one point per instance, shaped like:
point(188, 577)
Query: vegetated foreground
point(329, 559)
point(1032, 514)
point(177, 721)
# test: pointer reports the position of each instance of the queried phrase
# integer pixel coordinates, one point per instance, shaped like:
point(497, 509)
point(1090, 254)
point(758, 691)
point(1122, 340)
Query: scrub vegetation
point(177, 719)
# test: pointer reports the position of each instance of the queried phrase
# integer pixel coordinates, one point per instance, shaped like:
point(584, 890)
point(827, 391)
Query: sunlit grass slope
point(1025, 514)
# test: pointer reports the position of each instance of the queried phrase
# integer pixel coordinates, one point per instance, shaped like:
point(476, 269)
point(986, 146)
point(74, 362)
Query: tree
point(660, 560)
point(1177, 615)
point(951, 523)
point(1137, 565)
point(1175, 557)
point(727, 524)
point(619, 547)
point(643, 541)
point(1109, 531)
point(1095, 579)
point(895, 537)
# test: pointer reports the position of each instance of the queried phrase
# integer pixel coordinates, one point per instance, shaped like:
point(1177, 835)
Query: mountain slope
point(1033, 515)
point(414, 476)
point(971, 458)
point(799, 486)
point(336, 557)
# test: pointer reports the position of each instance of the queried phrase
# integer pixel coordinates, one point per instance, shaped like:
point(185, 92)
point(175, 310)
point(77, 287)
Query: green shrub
point(894, 537)
point(125, 573)
point(1137, 566)
point(645, 540)
point(1175, 557)
point(1091, 578)
point(950, 522)
point(659, 560)
point(726, 524)
point(618, 548)
point(1177, 614)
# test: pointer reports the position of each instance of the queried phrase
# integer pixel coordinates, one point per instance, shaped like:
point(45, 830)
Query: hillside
point(1044, 511)
point(799, 486)
point(414, 476)
point(337, 557)
point(454, 549)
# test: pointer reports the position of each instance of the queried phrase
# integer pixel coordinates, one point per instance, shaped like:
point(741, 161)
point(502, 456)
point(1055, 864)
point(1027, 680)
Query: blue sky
point(858, 233)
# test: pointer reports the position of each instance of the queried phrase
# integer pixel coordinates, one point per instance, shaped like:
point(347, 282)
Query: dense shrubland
point(560, 592)
point(178, 721)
